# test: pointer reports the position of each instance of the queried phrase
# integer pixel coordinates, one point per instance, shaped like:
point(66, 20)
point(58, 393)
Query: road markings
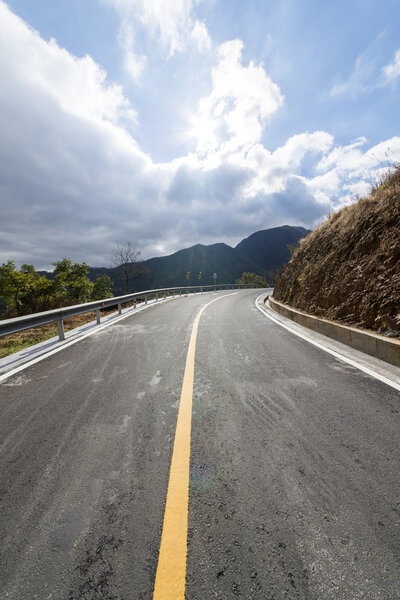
point(349, 361)
point(171, 569)
point(75, 340)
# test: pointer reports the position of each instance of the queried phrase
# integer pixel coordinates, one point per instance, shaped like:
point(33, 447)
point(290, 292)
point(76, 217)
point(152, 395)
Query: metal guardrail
point(9, 326)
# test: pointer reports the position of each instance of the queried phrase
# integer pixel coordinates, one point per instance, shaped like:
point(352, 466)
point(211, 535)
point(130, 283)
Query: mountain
point(264, 252)
point(271, 248)
point(348, 269)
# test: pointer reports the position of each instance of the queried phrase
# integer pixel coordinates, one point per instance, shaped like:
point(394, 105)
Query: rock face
point(348, 269)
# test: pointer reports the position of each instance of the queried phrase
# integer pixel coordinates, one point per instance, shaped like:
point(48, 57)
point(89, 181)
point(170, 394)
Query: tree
point(102, 287)
point(72, 281)
point(14, 285)
point(23, 290)
point(251, 279)
point(125, 258)
point(38, 290)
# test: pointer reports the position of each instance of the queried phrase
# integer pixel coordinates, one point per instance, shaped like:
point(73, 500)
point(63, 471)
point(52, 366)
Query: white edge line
point(67, 344)
point(351, 362)
point(132, 312)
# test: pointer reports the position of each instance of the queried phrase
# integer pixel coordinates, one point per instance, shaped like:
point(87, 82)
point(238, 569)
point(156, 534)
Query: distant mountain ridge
point(264, 253)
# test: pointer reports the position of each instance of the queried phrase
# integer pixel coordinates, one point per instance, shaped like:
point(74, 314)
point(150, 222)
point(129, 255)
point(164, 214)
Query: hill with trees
point(348, 269)
point(263, 253)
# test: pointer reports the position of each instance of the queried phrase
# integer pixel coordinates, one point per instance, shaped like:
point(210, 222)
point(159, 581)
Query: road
point(294, 487)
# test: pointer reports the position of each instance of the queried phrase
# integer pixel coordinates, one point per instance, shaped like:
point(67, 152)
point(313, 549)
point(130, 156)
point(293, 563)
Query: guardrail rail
point(9, 326)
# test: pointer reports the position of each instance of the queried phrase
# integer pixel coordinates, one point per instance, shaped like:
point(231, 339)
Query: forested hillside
point(26, 290)
point(264, 253)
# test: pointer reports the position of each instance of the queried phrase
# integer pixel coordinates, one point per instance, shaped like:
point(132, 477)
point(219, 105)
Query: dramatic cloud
point(77, 85)
point(65, 158)
point(235, 113)
point(74, 181)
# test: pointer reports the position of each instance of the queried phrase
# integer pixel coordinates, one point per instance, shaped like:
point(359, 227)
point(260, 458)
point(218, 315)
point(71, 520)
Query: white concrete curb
point(379, 346)
point(374, 367)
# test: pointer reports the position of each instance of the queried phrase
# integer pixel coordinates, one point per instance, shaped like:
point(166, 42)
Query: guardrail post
point(165, 295)
point(98, 315)
point(119, 308)
point(145, 298)
point(60, 326)
point(157, 297)
point(180, 292)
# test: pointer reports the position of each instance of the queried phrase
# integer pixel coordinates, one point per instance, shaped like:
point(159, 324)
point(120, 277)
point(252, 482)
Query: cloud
point(66, 157)
point(234, 114)
point(392, 71)
point(273, 169)
point(350, 158)
point(347, 172)
point(295, 199)
point(246, 191)
point(77, 85)
point(74, 181)
point(360, 81)
point(170, 23)
point(221, 185)
point(365, 76)
point(201, 36)
point(134, 63)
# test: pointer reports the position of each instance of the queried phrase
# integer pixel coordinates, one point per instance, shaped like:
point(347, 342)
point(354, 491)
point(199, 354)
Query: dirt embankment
point(348, 269)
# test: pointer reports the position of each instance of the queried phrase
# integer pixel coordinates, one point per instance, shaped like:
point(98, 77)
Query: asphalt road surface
point(294, 467)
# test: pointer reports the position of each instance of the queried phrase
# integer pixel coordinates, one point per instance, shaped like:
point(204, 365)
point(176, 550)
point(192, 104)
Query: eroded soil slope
point(348, 269)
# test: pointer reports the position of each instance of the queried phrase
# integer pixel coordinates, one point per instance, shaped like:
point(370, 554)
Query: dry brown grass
point(30, 337)
point(348, 268)
point(24, 339)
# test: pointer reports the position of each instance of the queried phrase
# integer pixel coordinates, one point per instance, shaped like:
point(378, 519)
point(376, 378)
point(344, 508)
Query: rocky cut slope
point(348, 269)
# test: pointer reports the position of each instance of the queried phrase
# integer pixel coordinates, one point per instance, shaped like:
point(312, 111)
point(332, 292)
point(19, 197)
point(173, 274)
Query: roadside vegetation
point(348, 268)
point(251, 279)
point(30, 337)
point(24, 339)
point(24, 291)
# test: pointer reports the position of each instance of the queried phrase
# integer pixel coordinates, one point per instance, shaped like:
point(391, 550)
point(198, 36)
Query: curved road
point(294, 487)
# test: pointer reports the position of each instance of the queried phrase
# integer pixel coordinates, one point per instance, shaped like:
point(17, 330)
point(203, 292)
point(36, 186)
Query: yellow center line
point(171, 569)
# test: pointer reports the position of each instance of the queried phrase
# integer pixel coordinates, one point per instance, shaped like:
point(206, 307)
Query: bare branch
point(125, 258)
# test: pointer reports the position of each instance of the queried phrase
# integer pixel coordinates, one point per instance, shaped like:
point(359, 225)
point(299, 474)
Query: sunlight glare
point(203, 130)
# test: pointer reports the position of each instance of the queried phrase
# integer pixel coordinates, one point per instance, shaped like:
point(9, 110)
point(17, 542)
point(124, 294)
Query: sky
point(169, 123)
